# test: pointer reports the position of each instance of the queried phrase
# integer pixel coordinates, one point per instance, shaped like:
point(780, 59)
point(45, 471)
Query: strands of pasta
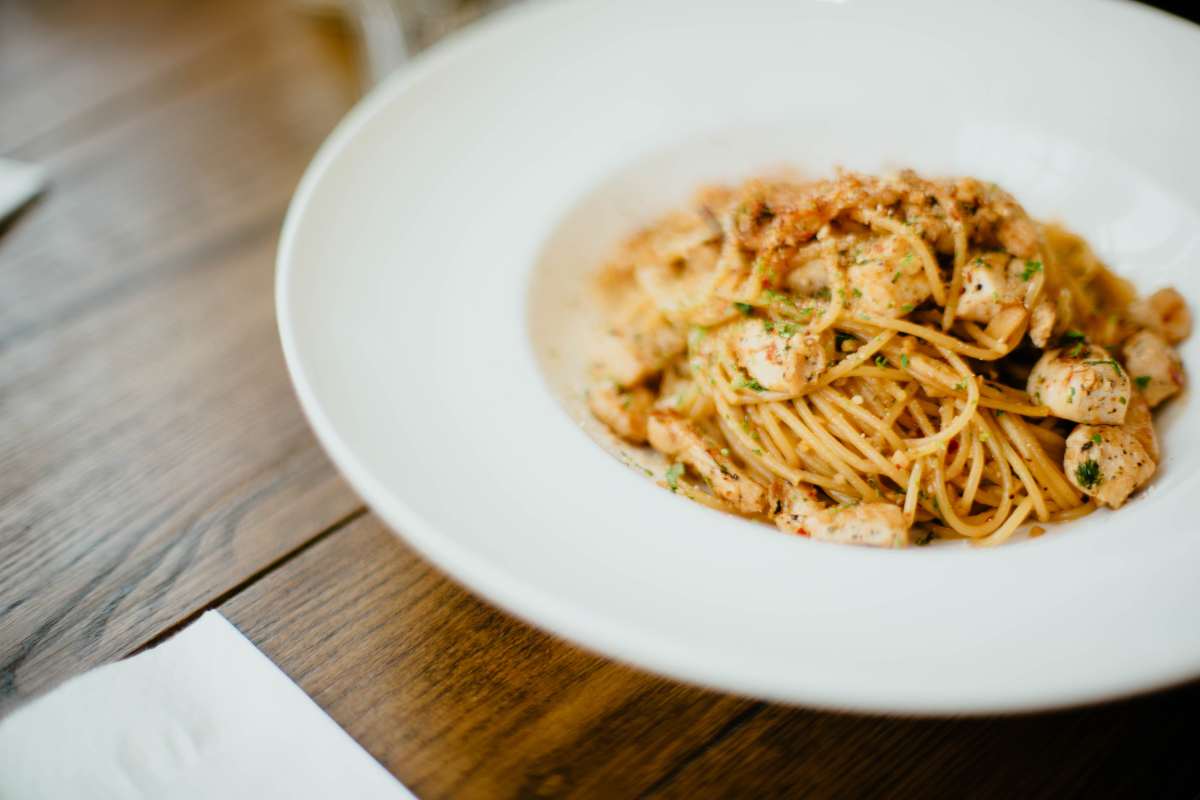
point(920, 409)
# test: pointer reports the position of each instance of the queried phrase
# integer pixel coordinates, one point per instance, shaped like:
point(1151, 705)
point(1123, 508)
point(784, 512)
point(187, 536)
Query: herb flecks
point(1112, 362)
point(1142, 381)
point(1088, 474)
point(745, 308)
point(1032, 267)
point(674, 472)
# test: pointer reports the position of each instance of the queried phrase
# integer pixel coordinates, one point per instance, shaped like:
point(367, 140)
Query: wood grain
point(153, 463)
point(151, 453)
point(460, 700)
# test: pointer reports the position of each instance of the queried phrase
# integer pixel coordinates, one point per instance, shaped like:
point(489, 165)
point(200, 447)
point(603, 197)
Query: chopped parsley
point(1088, 474)
point(745, 308)
point(857, 293)
point(1071, 398)
point(750, 383)
point(1032, 268)
point(768, 326)
point(896, 276)
point(1096, 438)
point(673, 475)
point(961, 386)
point(1142, 381)
point(924, 537)
point(907, 307)
point(880, 361)
point(1076, 350)
point(1071, 336)
point(904, 360)
point(904, 262)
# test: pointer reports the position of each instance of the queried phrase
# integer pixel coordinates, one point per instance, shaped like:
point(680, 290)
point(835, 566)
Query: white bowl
point(428, 282)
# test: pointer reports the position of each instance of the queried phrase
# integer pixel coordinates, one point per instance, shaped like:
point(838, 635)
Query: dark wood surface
point(153, 463)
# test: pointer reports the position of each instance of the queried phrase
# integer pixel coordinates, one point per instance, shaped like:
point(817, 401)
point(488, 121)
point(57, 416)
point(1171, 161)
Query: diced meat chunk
point(992, 282)
point(798, 510)
point(624, 411)
point(674, 436)
point(1107, 462)
point(886, 278)
point(1164, 312)
point(1155, 366)
point(1041, 323)
point(808, 278)
point(1087, 387)
point(780, 357)
point(633, 353)
point(1139, 422)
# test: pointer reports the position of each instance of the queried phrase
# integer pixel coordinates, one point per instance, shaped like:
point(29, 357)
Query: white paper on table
point(205, 715)
point(19, 183)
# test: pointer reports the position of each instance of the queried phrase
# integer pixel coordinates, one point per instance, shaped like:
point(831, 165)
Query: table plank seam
point(246, 583)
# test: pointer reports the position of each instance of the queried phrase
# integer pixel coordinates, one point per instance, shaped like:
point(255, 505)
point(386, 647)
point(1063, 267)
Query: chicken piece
point(1041, 323)
point(808, 278)
point(993, 282)
point(674, 436)
point(631, 353)
point(1164, 312)
point(1155, 366)
point(624, 411)
point(886, 278)
point(797, 509)
point(1107, 462)
point(679, 392)
point(1140, 423)
point(780, 357)
point(1089, 386)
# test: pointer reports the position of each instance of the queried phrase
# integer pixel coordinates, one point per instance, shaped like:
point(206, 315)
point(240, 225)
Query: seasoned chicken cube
point(1107, 462)
point(808, 278)
point(630, 354)
point(992, 282)
point(780, 357)
point(674, 436)
point(1139, 422)
point(1041, 323)
point(680, 393)
point(1087, 387)
point(1164, 312)
point(624, 411)
point(886, 278)
point(1155, 366)
point(798, 510)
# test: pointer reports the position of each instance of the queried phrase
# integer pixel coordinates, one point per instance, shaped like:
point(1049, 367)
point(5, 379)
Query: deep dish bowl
point(430, 272)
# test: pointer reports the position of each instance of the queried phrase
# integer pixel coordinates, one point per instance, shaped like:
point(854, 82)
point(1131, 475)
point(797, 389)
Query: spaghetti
point(883, 361)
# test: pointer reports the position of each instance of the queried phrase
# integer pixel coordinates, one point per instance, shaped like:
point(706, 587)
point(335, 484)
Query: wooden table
point(154, 464)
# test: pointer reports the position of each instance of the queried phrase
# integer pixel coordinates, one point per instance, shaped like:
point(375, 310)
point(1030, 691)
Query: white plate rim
point(544, 610)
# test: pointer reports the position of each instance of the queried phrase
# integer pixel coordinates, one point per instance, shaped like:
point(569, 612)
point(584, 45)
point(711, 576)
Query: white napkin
point(205, 715)
point(19, 183)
